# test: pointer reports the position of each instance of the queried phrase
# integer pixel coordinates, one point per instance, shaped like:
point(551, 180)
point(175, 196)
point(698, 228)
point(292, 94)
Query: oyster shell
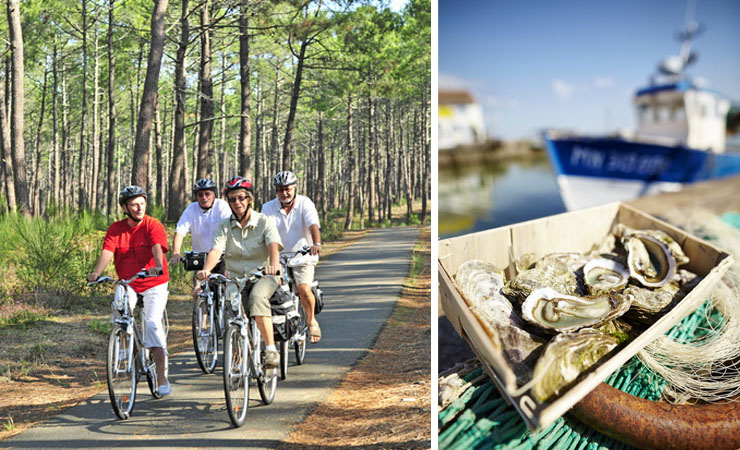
point(480, 284)
point(601, 274)
point(650, 261)
point(565, 357)
point(551, 310)
point(652, 255)
point(647, 304)
point(551, 273)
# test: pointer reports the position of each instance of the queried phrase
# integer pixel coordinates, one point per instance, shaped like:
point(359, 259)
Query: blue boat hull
point(624, 169)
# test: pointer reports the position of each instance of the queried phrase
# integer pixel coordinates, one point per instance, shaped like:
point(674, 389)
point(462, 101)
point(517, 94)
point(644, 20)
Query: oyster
point(552, 310)
point(602, 274)
point(652, 255)
point(480, 284)
point(573, 261)
point(647, 304)
point(551, 273)
point(565, 357)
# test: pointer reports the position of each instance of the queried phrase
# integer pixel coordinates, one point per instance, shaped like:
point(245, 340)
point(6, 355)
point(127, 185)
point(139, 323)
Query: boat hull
point(592, 171)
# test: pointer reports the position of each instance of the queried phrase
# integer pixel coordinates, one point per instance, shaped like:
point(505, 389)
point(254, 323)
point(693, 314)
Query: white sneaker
point(165, 389)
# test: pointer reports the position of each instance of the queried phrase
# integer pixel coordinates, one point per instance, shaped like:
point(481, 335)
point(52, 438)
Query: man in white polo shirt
point(200, 219)
point(298, 224)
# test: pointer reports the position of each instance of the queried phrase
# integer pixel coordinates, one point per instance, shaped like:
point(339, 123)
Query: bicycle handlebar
point(141, 274)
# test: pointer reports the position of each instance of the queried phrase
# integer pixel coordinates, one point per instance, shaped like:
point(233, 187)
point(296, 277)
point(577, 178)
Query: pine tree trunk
point(111, 144)
point(36, 205)
point(245, 118)
point(293, 106)
point(95, 183)
point(149, 96)
point(350, 167)
point(206, 95)
point(176, 203)
point(158, 152)
point(6, 151)
point(17, 107)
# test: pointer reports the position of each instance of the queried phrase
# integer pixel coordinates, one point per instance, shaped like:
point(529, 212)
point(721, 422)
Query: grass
point(21, 315)
point(9, 425)
point(101, 326)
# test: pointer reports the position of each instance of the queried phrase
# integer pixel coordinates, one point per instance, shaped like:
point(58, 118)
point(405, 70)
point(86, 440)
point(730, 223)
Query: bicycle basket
point(194, 260)
point(318, 296)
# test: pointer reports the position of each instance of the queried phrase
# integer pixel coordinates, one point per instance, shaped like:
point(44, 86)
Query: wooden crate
point(575, 231)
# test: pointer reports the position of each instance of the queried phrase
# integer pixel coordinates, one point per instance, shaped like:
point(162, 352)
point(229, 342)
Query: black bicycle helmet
point(130, 192)
point(204, 184)
point(285, 178)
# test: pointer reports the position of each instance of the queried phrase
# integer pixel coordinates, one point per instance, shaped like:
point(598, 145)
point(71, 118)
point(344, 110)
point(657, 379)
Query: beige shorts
point(303, 274)
point(259, 297)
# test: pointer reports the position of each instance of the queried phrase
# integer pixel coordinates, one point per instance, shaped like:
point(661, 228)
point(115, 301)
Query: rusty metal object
point(656, 425)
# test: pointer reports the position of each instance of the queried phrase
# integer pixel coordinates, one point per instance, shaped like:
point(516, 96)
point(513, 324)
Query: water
point(483, 197)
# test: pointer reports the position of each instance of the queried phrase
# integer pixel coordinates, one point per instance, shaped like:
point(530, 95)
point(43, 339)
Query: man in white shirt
point(298, 224)
point(200, 219)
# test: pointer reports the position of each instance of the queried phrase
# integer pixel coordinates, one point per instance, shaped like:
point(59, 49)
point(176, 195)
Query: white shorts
point(155, 301)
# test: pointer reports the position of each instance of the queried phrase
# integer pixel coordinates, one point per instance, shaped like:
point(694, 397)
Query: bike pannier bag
point(318, 296)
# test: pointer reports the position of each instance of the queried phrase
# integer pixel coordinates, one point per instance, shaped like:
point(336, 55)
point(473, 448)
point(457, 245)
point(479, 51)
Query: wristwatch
point(317, 243)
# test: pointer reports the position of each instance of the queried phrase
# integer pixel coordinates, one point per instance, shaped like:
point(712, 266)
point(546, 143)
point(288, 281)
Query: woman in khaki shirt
point(248, 240)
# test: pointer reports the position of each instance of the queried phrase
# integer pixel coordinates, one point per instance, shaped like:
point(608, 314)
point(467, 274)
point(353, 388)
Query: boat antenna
point(673, 66)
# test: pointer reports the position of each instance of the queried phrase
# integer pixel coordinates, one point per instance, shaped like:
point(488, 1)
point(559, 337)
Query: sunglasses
point(238, 198)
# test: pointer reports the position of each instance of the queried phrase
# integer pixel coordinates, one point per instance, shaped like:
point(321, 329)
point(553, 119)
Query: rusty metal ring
point(648, 424)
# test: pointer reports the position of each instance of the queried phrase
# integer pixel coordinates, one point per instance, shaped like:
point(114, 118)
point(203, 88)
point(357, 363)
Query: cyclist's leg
point(155, 301)
point(303, 276)
point(259, 307)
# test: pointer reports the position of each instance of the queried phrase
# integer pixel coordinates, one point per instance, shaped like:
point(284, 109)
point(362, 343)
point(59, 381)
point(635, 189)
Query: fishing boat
point(680, 138)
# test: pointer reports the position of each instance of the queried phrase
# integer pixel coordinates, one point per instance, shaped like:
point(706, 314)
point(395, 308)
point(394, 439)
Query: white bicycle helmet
point(285, 178)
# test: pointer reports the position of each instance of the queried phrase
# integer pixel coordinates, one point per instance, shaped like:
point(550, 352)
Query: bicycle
point(299, 338)
point(244, 355)
point(126, 363)
point(208, 322)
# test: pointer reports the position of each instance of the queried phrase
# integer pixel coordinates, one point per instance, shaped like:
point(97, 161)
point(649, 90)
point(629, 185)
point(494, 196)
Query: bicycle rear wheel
point(236, 375)
point(205, 340)
point(120, 372)
point(283, 360)
point(301, 335)
point(267, 382)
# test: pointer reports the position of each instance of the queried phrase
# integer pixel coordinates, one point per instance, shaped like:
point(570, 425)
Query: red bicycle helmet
point(238, 183)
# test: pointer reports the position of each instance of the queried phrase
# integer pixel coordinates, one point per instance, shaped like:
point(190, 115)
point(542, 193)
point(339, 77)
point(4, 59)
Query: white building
point(460, 120)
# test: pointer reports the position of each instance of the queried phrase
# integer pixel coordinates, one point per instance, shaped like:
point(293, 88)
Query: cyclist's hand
point(155, 271)
point(272, 270)
point(93, 277)
point(202, 274)
point(315, 249)
point(175, 259)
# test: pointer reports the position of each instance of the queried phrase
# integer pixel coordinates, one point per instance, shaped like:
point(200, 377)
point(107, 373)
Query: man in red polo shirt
point(135, 243)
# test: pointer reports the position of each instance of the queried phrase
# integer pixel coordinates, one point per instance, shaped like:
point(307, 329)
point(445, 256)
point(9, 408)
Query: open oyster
point(652, 255)
point(565, 357)
point(551, 310)
point(602, 274)
point(551, 273)
point(480, 283)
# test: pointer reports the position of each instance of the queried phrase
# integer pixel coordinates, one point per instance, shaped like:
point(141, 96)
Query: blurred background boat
point(680, 138)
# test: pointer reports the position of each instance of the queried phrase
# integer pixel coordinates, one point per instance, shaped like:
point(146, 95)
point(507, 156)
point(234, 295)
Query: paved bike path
point(361, 285)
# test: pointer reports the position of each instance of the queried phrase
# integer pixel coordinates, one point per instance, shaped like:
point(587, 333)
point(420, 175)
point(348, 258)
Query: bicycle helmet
point(238, 183)
point(204, 184)
point(130, 192)
point(285, 178)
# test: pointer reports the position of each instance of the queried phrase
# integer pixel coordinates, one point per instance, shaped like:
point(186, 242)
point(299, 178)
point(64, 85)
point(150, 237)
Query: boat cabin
point(682, 113)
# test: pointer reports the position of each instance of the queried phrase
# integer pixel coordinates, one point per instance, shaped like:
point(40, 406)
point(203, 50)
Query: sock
point(270, 347)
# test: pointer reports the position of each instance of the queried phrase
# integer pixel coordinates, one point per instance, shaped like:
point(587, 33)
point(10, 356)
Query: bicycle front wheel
point(205, 340)
point(283, 360)
point(121, 372)
point(301, 335)
point(236, 375)
point(267, 382)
